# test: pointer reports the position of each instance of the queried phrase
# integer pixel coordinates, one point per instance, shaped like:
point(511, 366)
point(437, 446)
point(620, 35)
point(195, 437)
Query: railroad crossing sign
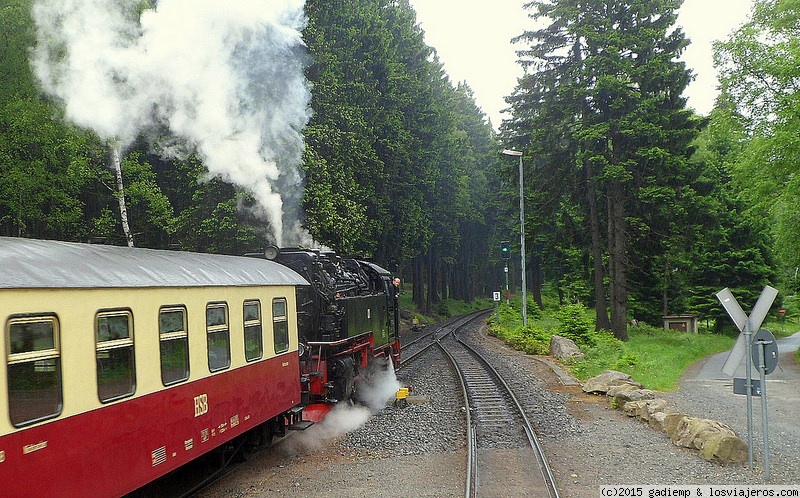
point(747, 346)
point(741, 320)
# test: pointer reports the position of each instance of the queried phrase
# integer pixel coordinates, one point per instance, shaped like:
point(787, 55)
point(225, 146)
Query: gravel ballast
point(418, 450)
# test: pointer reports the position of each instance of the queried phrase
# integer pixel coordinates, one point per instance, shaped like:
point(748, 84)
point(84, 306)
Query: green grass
point(653, 356)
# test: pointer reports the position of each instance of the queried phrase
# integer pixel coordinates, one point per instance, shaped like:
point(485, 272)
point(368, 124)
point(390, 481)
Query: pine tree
point(601, 109)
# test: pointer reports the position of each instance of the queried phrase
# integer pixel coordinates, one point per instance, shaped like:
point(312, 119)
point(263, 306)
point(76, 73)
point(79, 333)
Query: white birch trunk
point(123, 211)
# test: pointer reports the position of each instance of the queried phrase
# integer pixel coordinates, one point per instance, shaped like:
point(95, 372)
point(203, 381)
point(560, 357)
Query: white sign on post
point(735, 311)
point(743, 349)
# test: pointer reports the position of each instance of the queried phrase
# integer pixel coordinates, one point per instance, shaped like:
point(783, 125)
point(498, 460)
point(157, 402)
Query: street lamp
point(512, 152)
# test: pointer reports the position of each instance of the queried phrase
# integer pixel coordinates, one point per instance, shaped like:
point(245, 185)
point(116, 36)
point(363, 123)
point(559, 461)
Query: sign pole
point(762, 366)
point(508, 294)
point(749, 374)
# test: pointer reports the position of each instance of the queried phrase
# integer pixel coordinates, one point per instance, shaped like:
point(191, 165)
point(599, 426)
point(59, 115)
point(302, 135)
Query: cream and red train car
point(120, 365)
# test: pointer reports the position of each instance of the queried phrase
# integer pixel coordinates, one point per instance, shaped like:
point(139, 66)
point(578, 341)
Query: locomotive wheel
point(342, 374)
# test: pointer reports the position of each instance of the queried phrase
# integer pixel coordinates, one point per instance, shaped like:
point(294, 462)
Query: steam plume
point(376, 387)
point(225, 78)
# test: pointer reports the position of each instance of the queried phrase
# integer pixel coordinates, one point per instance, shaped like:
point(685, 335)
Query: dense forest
point(334, 123)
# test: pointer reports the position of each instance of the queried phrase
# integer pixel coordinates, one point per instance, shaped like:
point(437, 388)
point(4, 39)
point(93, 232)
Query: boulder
point(627, 395)
point(645, 408)
point(564, 349)
point(715, 441)
point(698, 433)
point(635, 408)
point(671, 422)
point(603, 382)
point(724, 448)
point(614, 390)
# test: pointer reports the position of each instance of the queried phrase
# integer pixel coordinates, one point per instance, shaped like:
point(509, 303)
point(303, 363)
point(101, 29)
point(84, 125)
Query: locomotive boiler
point(347, 318)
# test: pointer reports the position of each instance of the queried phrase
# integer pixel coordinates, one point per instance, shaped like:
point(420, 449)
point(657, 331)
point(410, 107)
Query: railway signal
point(505, 251)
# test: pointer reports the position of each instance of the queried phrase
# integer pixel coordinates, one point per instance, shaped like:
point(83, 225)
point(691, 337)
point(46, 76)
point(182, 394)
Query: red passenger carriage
point(120, 365)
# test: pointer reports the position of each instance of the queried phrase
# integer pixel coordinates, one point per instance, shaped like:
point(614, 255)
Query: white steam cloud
point(225, 78)
point(377, 385)
point(376, 388)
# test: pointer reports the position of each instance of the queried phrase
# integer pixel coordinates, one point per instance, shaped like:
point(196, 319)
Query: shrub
point(533, 339)
point(575, 324)
point(442, 309)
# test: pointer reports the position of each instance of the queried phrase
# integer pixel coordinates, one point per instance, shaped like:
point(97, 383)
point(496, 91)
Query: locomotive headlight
point(301, 349)
point(271, 252)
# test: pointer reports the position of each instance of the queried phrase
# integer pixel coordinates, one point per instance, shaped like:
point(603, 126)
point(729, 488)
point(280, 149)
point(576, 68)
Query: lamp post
point(512, 152)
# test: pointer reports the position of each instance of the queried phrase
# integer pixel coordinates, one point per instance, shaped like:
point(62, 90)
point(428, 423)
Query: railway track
point(426, 339)
point(494, 418)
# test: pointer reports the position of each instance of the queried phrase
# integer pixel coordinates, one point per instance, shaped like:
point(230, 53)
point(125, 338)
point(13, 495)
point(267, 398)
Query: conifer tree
point(601, 109)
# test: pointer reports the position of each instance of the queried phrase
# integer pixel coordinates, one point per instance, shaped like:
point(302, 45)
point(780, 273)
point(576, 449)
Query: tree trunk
point(617, 259)
point(123, 211)
point(600, 302)
point(418, 288)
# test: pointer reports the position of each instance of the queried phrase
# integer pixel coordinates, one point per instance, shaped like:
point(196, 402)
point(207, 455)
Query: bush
point(442, 309)
point(533, 339)
point(575, 324)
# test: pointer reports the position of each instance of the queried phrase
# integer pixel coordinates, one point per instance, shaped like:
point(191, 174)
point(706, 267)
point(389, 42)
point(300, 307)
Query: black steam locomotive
point(347, 318)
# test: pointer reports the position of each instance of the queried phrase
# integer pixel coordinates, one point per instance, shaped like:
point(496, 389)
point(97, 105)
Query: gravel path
point(413, 451)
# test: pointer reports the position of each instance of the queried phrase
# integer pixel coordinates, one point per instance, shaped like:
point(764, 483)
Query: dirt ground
point(608, 448)
point(326, 472)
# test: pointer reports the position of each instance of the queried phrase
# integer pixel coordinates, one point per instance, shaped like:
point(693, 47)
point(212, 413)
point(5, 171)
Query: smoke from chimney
point(225, 78)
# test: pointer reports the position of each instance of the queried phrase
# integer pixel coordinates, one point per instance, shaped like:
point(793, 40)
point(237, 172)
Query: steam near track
point(377, 386)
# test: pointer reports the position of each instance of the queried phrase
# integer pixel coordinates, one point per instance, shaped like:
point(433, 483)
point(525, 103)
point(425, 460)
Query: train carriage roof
point(29, 263)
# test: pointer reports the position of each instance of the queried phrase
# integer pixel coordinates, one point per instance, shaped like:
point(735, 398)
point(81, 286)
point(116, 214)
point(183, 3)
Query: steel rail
point(536, 446)
point(446, 327)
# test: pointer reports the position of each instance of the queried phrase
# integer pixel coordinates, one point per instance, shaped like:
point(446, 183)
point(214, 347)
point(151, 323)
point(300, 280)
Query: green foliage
point(442, 309)
point(398, 160)
point(45, 170)
point(759, 66)
point(533, 339)
point(655, 357)
point(600, 111)
point(576, 324)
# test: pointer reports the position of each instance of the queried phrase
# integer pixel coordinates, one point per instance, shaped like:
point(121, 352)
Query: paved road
point(706, 391)
point(711, 367)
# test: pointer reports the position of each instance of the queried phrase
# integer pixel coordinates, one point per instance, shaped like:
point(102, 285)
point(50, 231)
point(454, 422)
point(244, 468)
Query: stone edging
point(714, 440)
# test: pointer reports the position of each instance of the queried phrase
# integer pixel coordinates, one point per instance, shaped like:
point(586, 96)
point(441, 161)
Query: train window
point(34, 369)
point(115, 358)
point(218, 335)
point(174, 344)
point(280, 325)
point(253, 342)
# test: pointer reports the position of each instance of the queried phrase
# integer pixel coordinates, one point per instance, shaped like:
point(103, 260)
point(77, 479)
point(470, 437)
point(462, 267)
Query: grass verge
point(653, 356)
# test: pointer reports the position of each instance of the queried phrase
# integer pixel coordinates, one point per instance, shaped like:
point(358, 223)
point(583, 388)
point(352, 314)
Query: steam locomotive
point(347, 316)
point(119, 365)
